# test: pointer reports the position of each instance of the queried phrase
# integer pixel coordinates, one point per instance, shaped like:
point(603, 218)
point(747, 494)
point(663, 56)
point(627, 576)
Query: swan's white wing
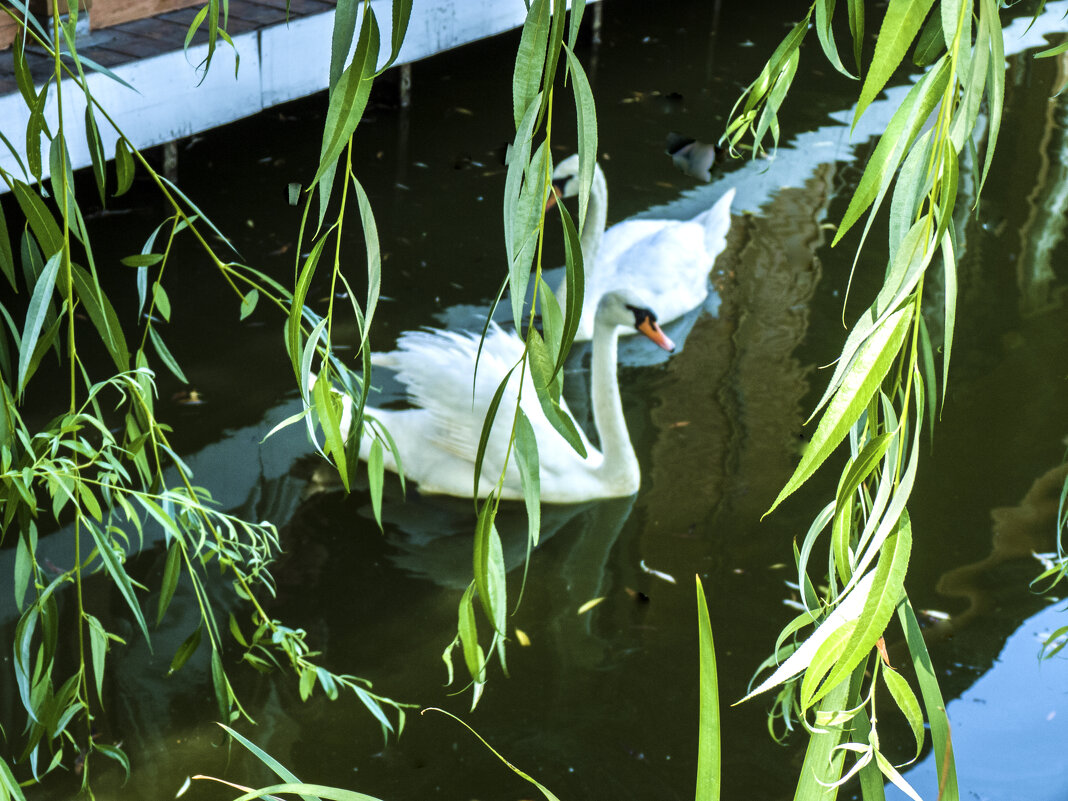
point(438, 439)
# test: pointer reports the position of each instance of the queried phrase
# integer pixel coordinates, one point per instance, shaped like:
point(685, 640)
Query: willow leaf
point(575, 288)
point(346, 107)
point(341, 37)
point(989, 19)
point(402, 14)
point(933, 703)
point(474, 658)
point(118, 575)
point(856, 30)
point(544, 791)
point(374, 260)
point(487, 427)
point(823, 661)
point(859, 384)
point(40, 302)
point(823, 759)
point(526, 457)
point(530, 59)
point(166, 356)
point(900, 26)
point(304, 790)
point(375, 479)
point(931, 44)
point(7, 258)
point(906, 701)
point(825, 32)
point(586, 114)
point(124, 167)
point(326, 407)
point(709, 764)
point(949, 266)
point(40, 219)
point(904, 125)
point(887, 590)
point(171, 573)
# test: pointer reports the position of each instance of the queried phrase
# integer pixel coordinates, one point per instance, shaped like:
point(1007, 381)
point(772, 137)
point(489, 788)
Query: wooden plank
point(7, 31)
point(106, 13)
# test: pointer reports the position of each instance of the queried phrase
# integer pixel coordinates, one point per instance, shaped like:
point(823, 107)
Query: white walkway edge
point(277, 64)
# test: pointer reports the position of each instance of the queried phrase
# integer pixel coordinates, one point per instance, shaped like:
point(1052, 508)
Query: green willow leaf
point(374, 259)
point(346, 107)
point(162, 301)
point(823, 661)
point(930, 45)
point(991, 22)
point(95, 303)
point(900, 26)
point(171, 573)
point(709, 763)
point(402, 14)
point(544, 790)
point(474, 657)
point(326, 407)
point(586, 114)
point(578, 8)
point(40, 302)
point(96, 152)
point(575, 289)
point(825, 32)
point(823, 760)
point(904, 126)
point(341, 37)
point(118, 576)
point(526, 457)
point(861, 381)
point(98, 648)
point(887, 590)
point(949, 268)
point(166, 356)
point(7, 258)
point(223, 694)
point(530, 59)
point(487, 427)
point(548, 390)
point(40, 219)
point(856, 30)
point(124, 167)
point(934, 704)
point(248, 303)
point(376, 479)
point(906, 701)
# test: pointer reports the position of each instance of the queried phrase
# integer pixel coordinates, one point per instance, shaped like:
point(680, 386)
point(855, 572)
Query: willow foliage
point(885, 384)
point(103, 467)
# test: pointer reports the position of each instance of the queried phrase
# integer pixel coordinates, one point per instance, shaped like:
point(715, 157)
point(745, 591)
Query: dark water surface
point(604, 705)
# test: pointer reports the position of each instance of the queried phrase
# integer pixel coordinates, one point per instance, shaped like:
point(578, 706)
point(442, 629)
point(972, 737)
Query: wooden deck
point(280, 60)
point(143, 38)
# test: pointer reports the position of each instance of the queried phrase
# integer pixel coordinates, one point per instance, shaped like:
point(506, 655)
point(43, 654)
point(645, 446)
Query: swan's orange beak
point(554, 196)
point(649, 327)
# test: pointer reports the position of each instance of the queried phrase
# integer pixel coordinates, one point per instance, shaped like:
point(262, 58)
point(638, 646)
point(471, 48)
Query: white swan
point(667, 260)
point(438, 438)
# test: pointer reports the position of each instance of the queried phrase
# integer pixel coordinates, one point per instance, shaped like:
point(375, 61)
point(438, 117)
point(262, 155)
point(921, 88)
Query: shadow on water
point(603, 704)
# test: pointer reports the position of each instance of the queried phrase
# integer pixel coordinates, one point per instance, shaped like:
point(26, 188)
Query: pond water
point(604, 704)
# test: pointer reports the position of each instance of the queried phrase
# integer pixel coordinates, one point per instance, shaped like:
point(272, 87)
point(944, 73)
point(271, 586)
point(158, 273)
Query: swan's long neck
point(596, 218)
point(620, 465)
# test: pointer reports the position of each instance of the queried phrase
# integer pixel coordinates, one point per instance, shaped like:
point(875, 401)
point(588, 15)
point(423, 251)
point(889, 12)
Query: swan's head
point(625, 307)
